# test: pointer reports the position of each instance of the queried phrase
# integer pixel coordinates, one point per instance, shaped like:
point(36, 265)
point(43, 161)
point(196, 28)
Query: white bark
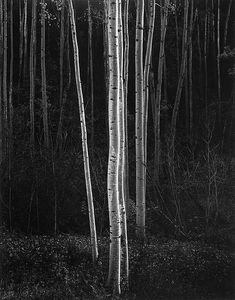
point(139, 117)
point(84, 135)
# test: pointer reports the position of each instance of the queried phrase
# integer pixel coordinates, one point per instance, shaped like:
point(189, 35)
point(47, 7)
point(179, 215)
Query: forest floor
point(60, 267)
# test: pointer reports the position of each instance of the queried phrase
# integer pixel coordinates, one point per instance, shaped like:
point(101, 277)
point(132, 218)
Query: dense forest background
point(30, 189)
point(42, 184)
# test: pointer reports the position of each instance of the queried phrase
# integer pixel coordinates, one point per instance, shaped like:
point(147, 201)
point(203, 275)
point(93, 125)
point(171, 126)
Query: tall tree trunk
point(32, 72)
point(125, 82)
point(199, 56)
point(62, 40)
point(122, 158)
point(218, 62)
point(61, 52)
point(177, 39)
point(90, 73)
point(157, 142)
point(25, 25)
point(226, 23)
point(94, 245)
point(43, 73)
point(10, 107)
point(4, 83)
point(191, 72)
point(65, 91)
point(1, 105)
point(205, 58)
point(139, 118)
point(114, 149)
point(181, 79)
point(21, 34)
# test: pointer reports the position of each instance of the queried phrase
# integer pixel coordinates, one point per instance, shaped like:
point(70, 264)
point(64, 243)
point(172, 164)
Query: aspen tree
point(177, 38)
point(43, 74)
point(21, 34)
point(191, 73)
point(180, 80)
point(114, 149)
point(125, 83)
point(157, 148)
point(4, 76)
point(10, 109)
point(32, 71)
point(199, 54)
point(61, 51)
point(147, 64)
point(25, 28)
point(62, 42)
point(139, 122)
point(90, 73)
point(122, 161)
point(218, 61)
point(226, 23)
point(1, 112)
point(91, 211)
point(205, 58)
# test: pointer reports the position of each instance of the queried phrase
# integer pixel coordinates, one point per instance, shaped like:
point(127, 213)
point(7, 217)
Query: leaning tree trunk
point(114, 149)
point(94, 245)
point(157, 142)
point(32, 71)
point(139, 120)
point(43, 73)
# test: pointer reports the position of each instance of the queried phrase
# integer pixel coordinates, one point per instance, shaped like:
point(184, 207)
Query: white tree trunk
point(139, 117)
point(94, 244)
point(114, 149)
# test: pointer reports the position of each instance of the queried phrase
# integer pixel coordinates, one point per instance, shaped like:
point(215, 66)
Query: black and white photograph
point(117, 149)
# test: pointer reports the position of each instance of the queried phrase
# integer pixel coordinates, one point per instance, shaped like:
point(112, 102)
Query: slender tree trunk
point(4, 84)
point(147, 64)
point(218, 62)
point(226, 23)
point(177, 39)
point(1, 111)
point(199, 56)
point(10, 107)
point(114, 149)
point(191, 72)
point(32, 72)
point(66, 89)
point(61, 52)
point(181, 78)
point(122, 157)
point(62, 40)
point(139, 126)
point(205, 58)
point(125, 82)
point(25, 39)
point(43, 72)
point(157, 142)
point(21, 34)
point(106, 61)
point(90, 74)
point(94, 245)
